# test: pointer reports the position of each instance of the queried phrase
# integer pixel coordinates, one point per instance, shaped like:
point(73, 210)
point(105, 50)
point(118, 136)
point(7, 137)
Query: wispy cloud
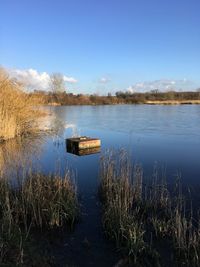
point(34, 80)
point(104, 80)
point(162, 85)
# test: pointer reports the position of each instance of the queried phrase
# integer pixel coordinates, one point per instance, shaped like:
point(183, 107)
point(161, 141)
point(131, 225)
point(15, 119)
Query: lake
point(168, 136)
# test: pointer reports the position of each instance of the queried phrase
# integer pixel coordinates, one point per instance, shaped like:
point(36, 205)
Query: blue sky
point(105, 45)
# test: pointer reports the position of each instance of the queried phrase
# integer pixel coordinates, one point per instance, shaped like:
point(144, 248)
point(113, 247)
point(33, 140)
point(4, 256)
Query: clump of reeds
point(138, 216)
point(17, 115)
point(38, 203)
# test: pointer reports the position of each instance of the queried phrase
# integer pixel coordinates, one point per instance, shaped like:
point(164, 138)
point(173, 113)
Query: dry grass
point(38, 203)
point(17, 115)
point(140, 217)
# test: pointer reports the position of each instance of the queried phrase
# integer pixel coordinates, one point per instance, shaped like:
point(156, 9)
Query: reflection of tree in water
point(58, 123)
point(50, 123)
point(16, 154)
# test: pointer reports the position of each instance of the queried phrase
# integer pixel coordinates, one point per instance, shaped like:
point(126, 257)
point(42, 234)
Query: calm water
point(168, 135)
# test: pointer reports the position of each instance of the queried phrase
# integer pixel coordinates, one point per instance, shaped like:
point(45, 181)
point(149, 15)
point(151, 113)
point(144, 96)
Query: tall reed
point(17, 114)
point(139, 216)
point(38, 203)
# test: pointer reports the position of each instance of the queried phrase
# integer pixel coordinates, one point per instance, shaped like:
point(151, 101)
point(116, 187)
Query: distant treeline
point(155, 95)
point(50, 98)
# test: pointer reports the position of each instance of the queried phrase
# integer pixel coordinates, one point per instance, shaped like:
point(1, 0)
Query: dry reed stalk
point(37, 203)
point(17, 114)
point(135, 215)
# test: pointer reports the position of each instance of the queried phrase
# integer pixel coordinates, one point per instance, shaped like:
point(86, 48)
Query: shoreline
point(151, 102)
point(173, 102)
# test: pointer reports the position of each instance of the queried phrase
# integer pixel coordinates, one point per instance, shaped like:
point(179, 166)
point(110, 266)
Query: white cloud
point(69, 79)
point(31, 78)
point(130, 89)
point(104, 80)
point(161, 85)
point(34, 80)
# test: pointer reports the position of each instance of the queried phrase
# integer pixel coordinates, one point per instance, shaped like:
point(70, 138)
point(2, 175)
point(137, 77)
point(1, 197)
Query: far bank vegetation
point(17, 112)
point(153, 97)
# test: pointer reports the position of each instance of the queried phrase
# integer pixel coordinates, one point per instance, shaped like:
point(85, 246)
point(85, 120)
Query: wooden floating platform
point(78, 145)
point(84, 152)
point(83, 142)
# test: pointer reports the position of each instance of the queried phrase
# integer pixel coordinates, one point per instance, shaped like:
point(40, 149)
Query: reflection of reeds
point(18, 152)
point(137, 216)
point(17, 115)
point(38, 202)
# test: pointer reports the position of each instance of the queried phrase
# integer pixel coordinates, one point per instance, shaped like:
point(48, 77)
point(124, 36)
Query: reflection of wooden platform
point(83, 145)
point(84, 152)
point(83, 142)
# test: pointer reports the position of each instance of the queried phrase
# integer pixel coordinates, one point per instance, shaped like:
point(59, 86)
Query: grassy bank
point(32, 212)
point(149, 223)
point(17, 115)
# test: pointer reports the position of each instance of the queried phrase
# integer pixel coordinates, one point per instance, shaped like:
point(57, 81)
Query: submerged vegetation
point(17, 114)
point(150, 223)
point(38, 204)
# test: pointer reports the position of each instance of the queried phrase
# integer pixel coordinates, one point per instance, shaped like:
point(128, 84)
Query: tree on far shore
point(57, 83)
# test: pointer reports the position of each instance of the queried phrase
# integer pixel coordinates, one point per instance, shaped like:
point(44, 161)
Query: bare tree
point(57, 83)
point(198, 91)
